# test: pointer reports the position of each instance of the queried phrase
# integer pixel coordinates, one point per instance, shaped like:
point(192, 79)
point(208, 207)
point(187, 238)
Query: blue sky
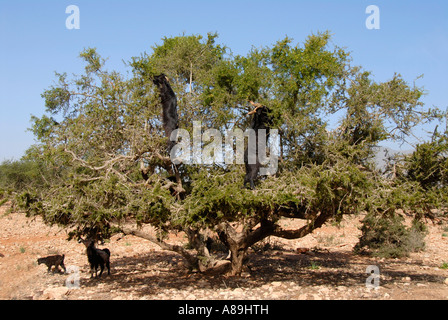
point(34, 41)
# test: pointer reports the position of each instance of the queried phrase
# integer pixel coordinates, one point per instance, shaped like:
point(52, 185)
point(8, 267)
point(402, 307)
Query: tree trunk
point(237, 258)
point(236, 242)
point(239, 242)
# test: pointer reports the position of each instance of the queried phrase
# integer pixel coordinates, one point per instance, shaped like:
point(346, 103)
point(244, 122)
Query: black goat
point(260, 120)
point(169, 107)
point(97, 257)
point(56, 261)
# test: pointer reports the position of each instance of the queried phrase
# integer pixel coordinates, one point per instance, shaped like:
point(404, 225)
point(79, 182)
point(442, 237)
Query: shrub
point(387, 237)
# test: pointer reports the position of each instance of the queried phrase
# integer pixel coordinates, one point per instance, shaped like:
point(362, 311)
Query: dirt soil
point(320, 266)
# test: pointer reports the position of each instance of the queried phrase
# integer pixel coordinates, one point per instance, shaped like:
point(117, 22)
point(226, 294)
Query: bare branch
point(107, 163)
point(303, 231)
point(191, 260)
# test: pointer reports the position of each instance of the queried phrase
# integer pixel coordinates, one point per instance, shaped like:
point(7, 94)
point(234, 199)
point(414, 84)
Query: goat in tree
point(169, 107)
point(170, 121)
point(260, 120)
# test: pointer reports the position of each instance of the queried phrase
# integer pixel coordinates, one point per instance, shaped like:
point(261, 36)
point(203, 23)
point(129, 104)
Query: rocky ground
point(319, 266)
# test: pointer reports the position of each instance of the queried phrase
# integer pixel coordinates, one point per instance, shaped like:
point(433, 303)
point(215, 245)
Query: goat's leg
point(92, 271)
point(108, 267)
point(247, 177)
point(245, 182)
point(252, 184)
point(102, 269)
point(63, 267)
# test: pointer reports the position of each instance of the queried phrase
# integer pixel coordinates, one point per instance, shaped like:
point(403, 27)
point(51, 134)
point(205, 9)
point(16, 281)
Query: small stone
point(324, 290)
point(275, 295)
point(421, 285)
point(57, 293)
point(203, 284)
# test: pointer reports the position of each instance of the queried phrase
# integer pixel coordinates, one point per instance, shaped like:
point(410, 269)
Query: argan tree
point(102, 133)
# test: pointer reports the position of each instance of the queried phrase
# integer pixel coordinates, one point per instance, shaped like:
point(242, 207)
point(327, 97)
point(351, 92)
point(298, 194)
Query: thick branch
point(299, 212)
point(172, 169)
point(300, 233)
point(191, 260)
point(265, 230)
point(197, 242)
point(243, 240)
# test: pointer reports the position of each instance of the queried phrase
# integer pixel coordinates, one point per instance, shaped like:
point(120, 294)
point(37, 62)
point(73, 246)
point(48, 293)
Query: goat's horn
point(257, 105)
point(167, 79)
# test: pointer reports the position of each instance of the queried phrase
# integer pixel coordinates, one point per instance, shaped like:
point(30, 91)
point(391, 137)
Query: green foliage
point(19, 175)
point(314, 265)
point(428, 164)
point(387, 237)
point(101, 145)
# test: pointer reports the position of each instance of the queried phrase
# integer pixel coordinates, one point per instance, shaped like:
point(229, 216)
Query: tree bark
point(306, 229)
point(239, 242)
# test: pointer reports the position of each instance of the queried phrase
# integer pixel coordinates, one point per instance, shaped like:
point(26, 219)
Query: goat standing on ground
point(260, 120)
point(97, 257)
point(56, 261)
point(169, 107)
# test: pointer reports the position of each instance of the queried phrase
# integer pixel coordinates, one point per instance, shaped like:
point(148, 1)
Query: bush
point(18, 175)
point(387, 237)
point(428, 164)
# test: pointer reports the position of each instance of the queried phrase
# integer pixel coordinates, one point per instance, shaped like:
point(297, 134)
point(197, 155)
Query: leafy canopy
point(102, 134)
